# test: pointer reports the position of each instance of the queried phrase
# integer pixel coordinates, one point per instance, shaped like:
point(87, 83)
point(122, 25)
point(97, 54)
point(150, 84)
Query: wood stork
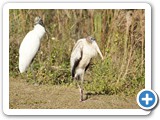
point(30, 44)
point(84, 50)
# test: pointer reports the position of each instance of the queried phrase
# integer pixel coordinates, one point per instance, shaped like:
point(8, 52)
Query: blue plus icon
point(147, 99)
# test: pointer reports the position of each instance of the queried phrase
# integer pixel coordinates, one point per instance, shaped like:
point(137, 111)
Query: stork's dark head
point(90, 39)
point(38, 20)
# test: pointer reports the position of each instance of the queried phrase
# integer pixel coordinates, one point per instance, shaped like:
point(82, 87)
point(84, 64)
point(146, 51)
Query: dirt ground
point(27, 96)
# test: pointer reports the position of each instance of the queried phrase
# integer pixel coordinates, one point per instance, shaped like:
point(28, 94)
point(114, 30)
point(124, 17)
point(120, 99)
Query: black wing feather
point(76, 63)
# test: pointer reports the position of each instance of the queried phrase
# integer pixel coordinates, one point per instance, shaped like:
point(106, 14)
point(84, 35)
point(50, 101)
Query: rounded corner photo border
point(8, 6)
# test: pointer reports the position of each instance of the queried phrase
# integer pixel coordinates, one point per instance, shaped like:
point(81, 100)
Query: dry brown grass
point(27, 96)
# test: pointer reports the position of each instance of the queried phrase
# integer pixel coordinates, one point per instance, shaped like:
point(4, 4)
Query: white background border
point(73, 6)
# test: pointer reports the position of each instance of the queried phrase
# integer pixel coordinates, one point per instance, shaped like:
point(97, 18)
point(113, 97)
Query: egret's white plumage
point(30, 45)
point(84, 50)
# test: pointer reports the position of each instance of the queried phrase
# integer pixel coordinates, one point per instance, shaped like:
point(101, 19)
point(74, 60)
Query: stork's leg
point(81, 87)
point(26, 76)
point(33, 75)
point(80, 91)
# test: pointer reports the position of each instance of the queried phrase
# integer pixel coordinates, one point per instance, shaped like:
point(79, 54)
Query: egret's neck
point(40, 30)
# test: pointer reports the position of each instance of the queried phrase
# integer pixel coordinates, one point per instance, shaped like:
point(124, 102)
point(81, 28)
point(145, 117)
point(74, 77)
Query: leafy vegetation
point(119, 34)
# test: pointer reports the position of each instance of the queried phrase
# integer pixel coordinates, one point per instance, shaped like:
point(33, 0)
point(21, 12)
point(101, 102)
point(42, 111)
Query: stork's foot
point(81, 99)
point(84, 98)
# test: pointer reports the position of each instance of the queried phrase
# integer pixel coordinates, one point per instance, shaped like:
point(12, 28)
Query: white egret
point(30, 45)
point(84, 50)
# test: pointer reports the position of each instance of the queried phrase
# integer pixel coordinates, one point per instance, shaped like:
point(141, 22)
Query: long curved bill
point(99, 52)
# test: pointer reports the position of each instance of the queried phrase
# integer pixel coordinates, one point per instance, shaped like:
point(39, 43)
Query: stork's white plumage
point(84, 50)
point(30, 45)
